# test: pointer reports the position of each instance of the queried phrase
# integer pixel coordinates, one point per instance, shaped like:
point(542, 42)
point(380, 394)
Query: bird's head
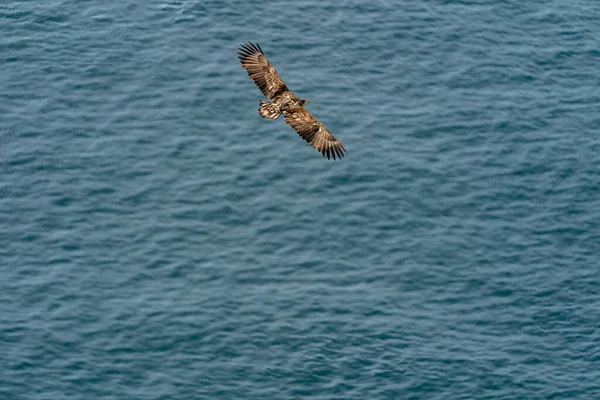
point(303, 101)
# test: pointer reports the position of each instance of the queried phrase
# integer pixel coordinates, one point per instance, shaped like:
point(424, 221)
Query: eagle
point(283, 101)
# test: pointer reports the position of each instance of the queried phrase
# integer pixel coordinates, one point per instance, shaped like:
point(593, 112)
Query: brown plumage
point(261, 71)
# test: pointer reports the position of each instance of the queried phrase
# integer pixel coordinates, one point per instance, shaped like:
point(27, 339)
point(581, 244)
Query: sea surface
point(160, 240)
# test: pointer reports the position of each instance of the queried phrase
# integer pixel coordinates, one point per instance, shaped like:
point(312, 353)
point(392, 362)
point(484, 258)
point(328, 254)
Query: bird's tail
point(268, 110)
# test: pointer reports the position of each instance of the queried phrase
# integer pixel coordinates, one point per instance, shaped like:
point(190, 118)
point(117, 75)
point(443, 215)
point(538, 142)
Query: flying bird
point(283, 101)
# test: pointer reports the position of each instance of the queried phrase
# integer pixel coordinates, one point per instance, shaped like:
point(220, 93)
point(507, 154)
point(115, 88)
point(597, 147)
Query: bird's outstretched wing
point(314, 132)
point(260, 70)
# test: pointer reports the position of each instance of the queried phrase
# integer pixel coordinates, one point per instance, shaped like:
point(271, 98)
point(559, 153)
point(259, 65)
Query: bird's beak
point(306, 102)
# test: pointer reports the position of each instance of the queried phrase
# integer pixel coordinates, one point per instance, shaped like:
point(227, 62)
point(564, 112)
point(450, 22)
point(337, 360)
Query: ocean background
point(160, 240)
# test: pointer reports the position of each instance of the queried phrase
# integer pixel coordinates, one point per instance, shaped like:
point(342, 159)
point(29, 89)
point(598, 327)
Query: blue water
point(160, 240)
